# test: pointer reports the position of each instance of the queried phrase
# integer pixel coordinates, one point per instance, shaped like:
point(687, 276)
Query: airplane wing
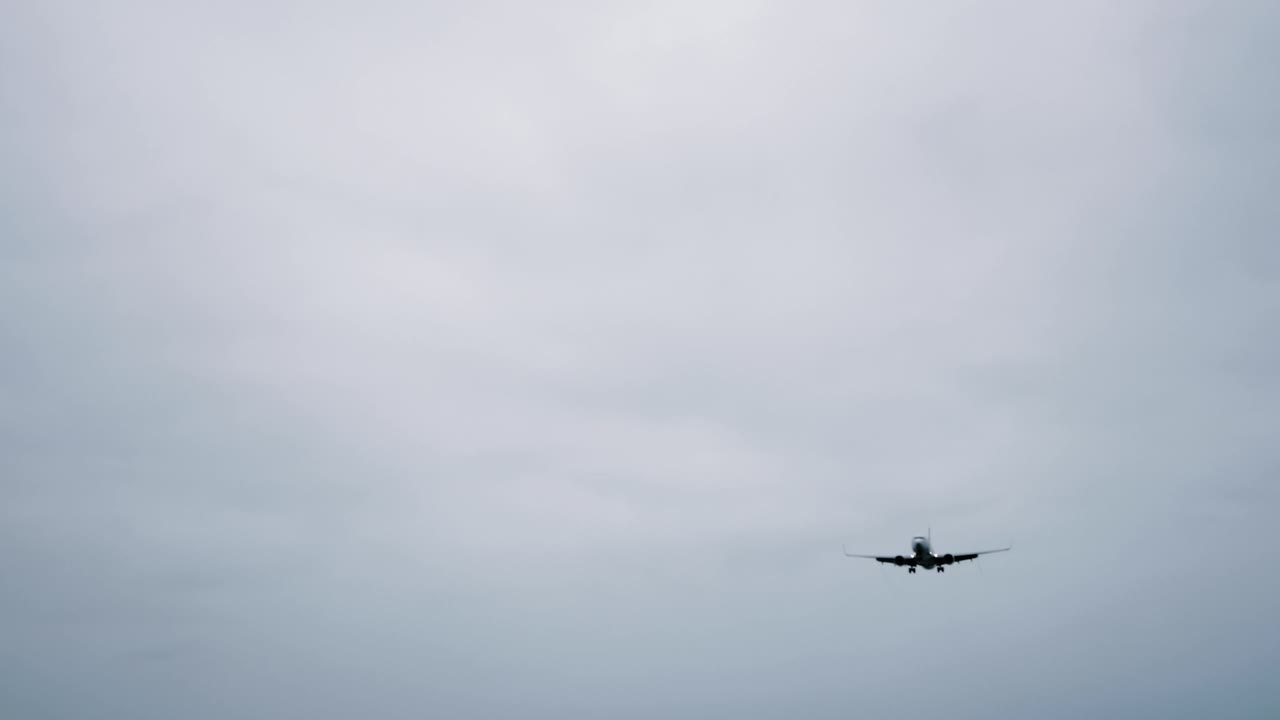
point(971, 556)
point(879, 558)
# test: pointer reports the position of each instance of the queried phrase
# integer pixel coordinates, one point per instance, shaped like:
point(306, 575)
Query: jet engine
point(947, 559)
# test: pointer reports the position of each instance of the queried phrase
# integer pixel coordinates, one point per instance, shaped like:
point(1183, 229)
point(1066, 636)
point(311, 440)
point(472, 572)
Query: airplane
point(923, 556)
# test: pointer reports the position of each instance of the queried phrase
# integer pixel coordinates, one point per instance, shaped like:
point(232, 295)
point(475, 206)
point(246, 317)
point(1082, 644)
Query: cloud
point(496, 361)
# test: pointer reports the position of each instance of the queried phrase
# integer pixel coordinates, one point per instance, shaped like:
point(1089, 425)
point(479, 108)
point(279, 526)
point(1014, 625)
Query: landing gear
point(911, 570)
point(941, 569)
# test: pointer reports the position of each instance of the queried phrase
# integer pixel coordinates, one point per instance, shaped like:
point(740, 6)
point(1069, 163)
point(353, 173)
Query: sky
point(535, 360)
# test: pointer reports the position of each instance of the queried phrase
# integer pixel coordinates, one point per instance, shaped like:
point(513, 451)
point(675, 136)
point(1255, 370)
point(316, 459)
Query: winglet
point(849, 554)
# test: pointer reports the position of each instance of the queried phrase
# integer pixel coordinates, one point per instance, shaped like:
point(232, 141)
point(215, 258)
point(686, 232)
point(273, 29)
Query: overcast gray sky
point(534, 360)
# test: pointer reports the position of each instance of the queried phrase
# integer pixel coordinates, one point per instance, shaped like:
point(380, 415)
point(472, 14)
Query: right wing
point(880, 558)
point(971, 556)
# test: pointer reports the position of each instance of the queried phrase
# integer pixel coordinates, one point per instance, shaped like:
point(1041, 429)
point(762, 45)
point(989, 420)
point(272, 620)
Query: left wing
point(879, 558)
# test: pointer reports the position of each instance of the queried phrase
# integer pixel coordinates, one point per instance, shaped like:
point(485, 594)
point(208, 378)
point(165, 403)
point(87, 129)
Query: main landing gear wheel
point(911, 570)
point(942, 569)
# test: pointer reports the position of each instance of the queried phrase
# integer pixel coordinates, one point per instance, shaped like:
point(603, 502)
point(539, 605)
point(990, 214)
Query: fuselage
point(922, 553)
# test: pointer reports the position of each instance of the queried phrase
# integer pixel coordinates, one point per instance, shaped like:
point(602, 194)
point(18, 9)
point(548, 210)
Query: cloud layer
point(508, 361)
